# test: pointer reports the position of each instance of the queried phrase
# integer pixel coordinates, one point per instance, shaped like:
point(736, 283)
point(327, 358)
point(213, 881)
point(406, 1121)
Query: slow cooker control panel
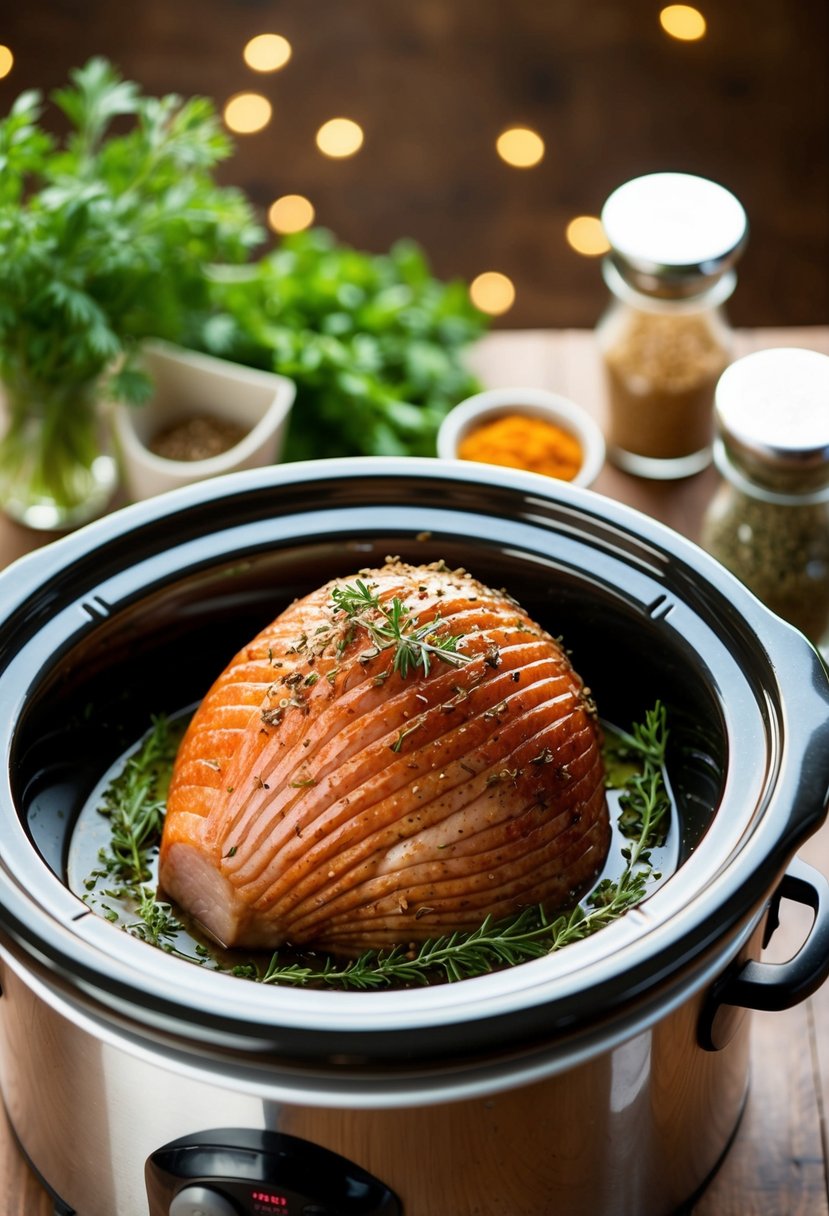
point(241, 1172)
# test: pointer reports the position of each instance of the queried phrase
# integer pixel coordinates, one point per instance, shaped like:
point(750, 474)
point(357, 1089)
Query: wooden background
point(435, 81)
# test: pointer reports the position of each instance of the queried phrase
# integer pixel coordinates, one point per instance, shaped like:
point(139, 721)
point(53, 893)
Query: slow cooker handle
point(772, 986)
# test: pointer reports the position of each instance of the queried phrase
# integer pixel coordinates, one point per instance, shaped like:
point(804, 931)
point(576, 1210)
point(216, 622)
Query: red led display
point(276, 1202)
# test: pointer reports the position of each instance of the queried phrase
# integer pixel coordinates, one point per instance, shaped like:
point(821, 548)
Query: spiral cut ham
point(336, 790)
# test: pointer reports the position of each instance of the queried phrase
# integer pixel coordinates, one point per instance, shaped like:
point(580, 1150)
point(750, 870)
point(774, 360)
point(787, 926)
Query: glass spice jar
point(769, 521)
point(665, 339)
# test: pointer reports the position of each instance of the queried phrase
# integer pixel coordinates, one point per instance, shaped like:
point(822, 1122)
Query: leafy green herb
point(158, 926)
point(456, 956)
point(374, 343)
point(156, 923)
point(134, 803)
point(637, 760)
point(391, 625)
point(106, 237)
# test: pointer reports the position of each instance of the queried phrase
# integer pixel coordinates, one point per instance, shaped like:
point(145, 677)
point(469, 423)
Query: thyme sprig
point(156, 923)
point(134, 802)
point(645, 805)
point(393, 625)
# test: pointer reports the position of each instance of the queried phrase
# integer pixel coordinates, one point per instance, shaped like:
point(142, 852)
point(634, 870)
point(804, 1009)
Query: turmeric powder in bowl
point(527, 428)
point(521, 441)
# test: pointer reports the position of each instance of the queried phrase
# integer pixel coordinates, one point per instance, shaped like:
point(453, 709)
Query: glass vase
point(55, 471)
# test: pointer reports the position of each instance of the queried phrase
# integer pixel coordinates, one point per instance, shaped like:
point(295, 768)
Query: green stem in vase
point(49, 454)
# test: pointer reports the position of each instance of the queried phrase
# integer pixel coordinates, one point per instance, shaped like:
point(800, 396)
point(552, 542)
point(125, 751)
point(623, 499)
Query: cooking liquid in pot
point(93, 833)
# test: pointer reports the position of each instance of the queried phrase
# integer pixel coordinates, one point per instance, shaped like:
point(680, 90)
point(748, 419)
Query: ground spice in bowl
point(198, 437)
point(524, 442)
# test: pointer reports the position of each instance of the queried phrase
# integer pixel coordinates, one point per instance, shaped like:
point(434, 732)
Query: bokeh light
point(520, 147)
point(267, 52)
point(683, 22)
point(492, 292)
point(6, 61)
point(340, 137)
point(246, 113)
point(290, 213)
point(586, 235)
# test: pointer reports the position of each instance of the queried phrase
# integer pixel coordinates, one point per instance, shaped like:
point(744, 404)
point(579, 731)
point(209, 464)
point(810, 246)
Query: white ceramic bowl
point(188, 383)
point(535, 402)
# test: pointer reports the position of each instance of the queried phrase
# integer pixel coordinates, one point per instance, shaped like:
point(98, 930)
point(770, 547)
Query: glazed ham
point(397, 756)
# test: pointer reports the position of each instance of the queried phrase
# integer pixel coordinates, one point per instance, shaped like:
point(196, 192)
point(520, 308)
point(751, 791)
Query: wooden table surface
point(778, 1164)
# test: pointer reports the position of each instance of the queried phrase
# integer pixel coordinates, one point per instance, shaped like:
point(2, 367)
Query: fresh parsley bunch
point(106, 234)
point(374, 342)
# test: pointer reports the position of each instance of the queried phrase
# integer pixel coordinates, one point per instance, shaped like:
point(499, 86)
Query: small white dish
point(187, 383)
point(535, 403)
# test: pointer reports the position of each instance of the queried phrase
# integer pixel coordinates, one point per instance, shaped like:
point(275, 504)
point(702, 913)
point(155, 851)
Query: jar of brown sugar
point(665, 339)
point(769, 521)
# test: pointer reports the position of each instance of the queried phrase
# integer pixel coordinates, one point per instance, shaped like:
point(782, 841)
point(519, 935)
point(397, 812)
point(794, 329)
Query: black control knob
point(200, 1200)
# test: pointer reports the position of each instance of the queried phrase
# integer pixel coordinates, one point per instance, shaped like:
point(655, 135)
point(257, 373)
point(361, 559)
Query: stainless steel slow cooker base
point(633, 1132)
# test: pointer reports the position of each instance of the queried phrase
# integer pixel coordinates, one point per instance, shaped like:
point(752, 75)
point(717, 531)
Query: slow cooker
point(607, 1078)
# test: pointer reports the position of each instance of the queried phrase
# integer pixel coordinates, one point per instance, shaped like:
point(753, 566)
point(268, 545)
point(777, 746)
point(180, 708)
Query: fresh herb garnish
point(392, 625)
point(134, 803)
point(156, 922)
point(645, 803)
point(106, 238)
point(107, 235)
point(457, 956)
point(374, 342)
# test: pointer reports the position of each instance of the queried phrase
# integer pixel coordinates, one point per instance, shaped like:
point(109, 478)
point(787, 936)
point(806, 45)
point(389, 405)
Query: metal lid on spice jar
point(673, 234)
point(772, 413)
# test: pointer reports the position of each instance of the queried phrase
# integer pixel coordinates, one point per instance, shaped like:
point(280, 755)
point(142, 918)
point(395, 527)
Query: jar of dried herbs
point(665, 339)
point(769, 521)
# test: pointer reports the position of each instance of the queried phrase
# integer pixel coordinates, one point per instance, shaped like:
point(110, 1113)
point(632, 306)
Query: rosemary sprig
point(392, 625)
point(458, 956)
